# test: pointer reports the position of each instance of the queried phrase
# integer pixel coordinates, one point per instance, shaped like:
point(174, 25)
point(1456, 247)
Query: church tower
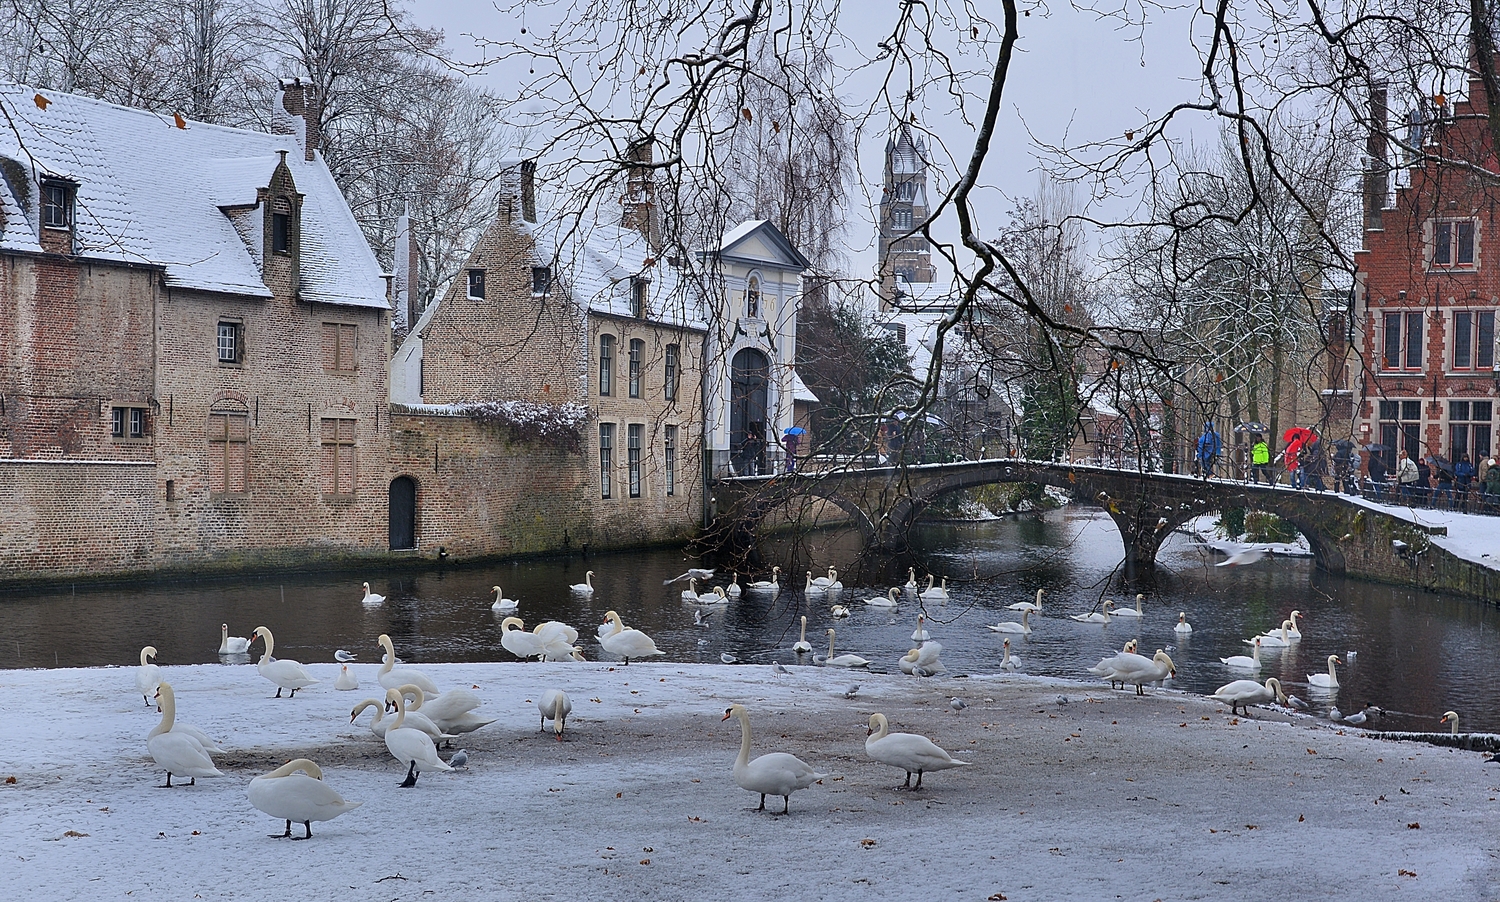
point(903, 205)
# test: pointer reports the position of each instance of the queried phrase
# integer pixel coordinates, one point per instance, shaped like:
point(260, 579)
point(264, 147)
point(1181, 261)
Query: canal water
point(1414, 654)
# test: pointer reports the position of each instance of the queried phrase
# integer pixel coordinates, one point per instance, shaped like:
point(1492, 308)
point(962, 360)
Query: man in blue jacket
point(1210, 446)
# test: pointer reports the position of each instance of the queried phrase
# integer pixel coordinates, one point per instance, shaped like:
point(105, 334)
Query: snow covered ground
point(1473, 537)
point(1072, 792)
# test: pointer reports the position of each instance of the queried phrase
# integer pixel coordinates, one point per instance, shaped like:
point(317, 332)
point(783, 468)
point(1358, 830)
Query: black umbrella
point(1253, 426)
point(1442, 463)
point(1377, 447)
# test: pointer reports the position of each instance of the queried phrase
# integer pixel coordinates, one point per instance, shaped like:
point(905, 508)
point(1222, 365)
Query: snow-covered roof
point(599, 262)
point(756, 241)
point(800, 391)
point(151, 193)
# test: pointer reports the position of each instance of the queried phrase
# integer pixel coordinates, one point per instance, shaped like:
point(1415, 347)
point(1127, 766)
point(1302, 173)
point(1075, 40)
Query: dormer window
point(281, 226)
point(638, 298)
point(57, 205)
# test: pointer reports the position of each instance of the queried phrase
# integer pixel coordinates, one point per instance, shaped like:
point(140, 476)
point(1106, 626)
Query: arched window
point(752, 298)
point(606, 364)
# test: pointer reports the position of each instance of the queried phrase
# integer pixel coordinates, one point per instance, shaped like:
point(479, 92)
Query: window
point(228, 453)
point(670, 389)
point(1453, 243)
point(476, 284)
point(669, 460)
point(1403, 341)
point(231, 344)
point(633, 456)
point(1473, 339)
point(57, 205)
point(606, 365)
point(902, 220)
point(1400, 429)
point(339, 346)
point(606, 457)
point(752, 298)
point(541, 280)
point(638, 298)
point(637, 351)
point(281, 226)
point(337, 463)
point(1470, 429)
point(127, 422)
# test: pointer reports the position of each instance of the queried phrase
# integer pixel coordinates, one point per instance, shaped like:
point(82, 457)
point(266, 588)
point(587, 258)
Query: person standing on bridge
point(1406, 474)
point(1210, 446)
point(1260, 460)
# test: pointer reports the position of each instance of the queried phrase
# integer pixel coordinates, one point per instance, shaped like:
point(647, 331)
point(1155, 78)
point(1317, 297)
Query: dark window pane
point(476, 283)
point(1411, 410)
point(1413, 341)
point(1481, 410)
point(1458, 410)
point(1463, 340)
point(1392, 341)
point(1464, 249)
point(1390, 410)
point(1442, 243)
point(1485, 352)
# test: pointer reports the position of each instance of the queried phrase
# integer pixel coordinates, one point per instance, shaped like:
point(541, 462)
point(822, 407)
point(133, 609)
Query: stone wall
point(74, 518)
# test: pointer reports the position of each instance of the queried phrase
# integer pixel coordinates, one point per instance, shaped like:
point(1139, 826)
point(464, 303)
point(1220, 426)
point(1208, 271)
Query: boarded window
point(337, 466)
point(339, 347)
point(228, 453)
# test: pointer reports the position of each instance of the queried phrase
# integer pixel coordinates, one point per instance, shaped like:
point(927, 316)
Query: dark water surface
point(1417, 654)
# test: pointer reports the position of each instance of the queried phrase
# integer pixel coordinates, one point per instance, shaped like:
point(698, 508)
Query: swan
point(1129, 612)
point(1329, 680)
point(502, 604)
point(919, 634)
point(231, 645)
point(1294, 632)
point(586, 587)
point(692, 573)
point(908, 751)
point(829, 581)
point(288, 795)
point(733, 590)
point(410, 746)
point(518, 642)
point(1152, 670)
point(555, 706)
point(451, 712)
point(691, 592)
point(556, 640)
point(911, 579)
point(1182, 625)
point(717, 596)
point(285, 673)
point(627, 643)
point(767, 585)
point(1106, 666)
point(1123, 667)
point(178, 751)
point(1449, 717)
point(838, 611)
point(1095, 616)
point(1010, 626)
point(347, 680)
point(923, 661)
point(845, 660)
point(888, 600)
point(1243, 693)
point(371, 599)
point(380, 726)
point(811, 587)
point(775, 773)
point(148, 675)
point(1244, 662)
point(393, 677)
point(936, 594)
point(802, 646)
point(1280, 639)
point(1009, 662)
point(1035, 606)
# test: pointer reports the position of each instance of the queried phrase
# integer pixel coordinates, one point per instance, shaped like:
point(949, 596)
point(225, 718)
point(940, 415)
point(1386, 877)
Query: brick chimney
point(1376, 165)
point(528, 190)
point(300, 98)
point(639, 203)
point(408, 270)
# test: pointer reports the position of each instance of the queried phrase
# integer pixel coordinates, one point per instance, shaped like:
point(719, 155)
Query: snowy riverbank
point(1073, 792)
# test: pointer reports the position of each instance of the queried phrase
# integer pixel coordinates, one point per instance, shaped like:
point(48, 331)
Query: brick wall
point(101, 522)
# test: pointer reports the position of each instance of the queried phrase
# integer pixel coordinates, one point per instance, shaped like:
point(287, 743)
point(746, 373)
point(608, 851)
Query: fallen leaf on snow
point(1405, 873)
point(1414, 825)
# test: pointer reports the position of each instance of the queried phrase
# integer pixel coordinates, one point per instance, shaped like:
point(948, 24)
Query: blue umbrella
point(794, 430)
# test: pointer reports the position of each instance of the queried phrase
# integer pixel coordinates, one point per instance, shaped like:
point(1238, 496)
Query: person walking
point(1343, 466)
point(1260, 461)
point(1463, 480)
point(790, 441)
point(1210, 446)
point(1289, 459)
point(1482, 476)
point(1492, 479)
point(1406, 475)
point(1377, 473)
point(1314, 464)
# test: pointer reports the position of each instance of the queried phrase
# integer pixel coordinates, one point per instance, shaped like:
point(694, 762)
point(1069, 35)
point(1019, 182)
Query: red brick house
point(1428, 287)
point(193, 345)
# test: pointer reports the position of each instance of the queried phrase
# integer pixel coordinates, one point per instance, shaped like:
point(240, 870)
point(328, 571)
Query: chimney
point(408, 271)
point(528, 190)
point(301, 100)
point(639, 203)
point(1376, 166)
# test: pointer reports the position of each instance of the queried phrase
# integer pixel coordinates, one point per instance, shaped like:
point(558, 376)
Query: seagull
point(344, 657)
point(459, 759)
point(728, 658)
point(692, 573)
point(779, 670)
point(700, 618)
point(1243, 556)
point(958, 704)
point(1363, 714)
point(852, 690)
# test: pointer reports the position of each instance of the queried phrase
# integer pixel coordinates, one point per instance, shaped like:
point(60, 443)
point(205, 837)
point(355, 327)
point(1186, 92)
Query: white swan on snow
point(775, 773)
point(393, 677)
point(295, 791)
point(346, 679)
point(409, 746)
point(515, 639)
point(555, 706)
point(1242, 693)
point(148, 675)
point(627, 643)
point(174, 749)
point(844, 660)
point(908, 751)
point(285, 673)
point(380, 726)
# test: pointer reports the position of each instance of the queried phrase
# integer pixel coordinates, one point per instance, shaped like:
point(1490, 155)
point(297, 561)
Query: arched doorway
point(750, 374)
point(403, 509)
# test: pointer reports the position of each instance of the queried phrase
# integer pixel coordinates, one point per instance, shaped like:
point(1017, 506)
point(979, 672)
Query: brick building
point(1429, 280)
point(193, 344)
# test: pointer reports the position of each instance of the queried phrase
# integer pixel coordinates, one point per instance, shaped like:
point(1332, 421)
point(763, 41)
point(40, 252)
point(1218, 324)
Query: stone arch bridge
point(1346, 535)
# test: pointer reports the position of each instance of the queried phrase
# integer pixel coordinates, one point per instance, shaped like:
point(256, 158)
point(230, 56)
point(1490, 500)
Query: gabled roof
point(597, 264)
point(151, 193)
point(756, 242)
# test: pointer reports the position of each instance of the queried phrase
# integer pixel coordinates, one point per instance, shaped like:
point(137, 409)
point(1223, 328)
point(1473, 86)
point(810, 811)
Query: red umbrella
point(1297, 433)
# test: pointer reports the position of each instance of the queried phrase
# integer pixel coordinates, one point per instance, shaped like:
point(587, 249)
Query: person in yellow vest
point(1260, 460)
